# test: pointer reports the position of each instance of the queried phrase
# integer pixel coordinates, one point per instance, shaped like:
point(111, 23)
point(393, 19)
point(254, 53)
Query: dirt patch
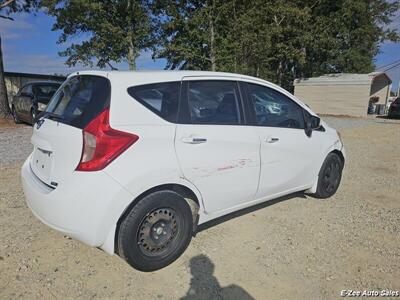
point(9, 123)
point(296, 247)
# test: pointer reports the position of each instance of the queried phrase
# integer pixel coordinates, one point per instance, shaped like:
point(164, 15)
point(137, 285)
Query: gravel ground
point(341, 123)
point(15, 143)
point(292, 248)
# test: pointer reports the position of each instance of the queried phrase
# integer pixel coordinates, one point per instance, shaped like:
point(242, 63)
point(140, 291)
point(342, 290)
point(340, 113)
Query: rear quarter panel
point(152, 160)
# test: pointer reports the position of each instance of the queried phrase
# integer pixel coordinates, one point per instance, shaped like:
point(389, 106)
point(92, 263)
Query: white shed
point(344, 93)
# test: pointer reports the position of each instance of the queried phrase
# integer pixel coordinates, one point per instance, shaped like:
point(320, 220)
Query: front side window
point(27, 89)
point(273, 108)
point(213, 102)
point(160, 98)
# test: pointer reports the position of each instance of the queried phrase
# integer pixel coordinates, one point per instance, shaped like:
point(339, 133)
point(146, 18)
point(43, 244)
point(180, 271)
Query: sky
point(29, 45)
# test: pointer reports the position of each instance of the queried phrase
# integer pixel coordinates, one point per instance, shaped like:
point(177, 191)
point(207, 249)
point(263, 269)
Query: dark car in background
point(32, 99)
point(394, 109)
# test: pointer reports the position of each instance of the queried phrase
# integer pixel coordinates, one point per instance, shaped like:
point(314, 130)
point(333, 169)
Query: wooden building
point(343, 94)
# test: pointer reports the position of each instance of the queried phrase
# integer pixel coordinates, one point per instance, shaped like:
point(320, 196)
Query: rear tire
point(15, 116)
point(156, 231)
point(329, 176)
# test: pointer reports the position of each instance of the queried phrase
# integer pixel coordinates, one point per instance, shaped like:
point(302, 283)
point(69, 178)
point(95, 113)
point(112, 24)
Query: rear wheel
point(156, 231)
point(15, 116)
point(329, 176)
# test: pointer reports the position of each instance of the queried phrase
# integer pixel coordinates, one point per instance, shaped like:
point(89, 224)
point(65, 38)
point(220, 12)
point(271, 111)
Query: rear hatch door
point(57, 135)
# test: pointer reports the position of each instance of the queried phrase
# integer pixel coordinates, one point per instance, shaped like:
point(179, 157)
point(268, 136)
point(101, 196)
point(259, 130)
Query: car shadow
point(385, 117)
point(204, 285)
point(248, 210)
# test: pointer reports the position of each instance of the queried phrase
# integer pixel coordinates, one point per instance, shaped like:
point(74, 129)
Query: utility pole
point(398, 86)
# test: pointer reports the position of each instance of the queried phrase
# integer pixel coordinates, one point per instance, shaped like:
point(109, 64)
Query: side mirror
point(312, 123)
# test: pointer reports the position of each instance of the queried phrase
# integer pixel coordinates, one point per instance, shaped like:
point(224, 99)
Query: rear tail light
point(102, 144)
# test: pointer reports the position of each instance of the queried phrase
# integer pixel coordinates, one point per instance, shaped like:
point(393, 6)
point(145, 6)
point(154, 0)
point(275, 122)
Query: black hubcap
point(157, 231)
point(331, 176)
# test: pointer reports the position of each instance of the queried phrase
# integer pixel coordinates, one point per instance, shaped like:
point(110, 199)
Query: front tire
point(156, 231)
point(33, 115)
point(329, 176)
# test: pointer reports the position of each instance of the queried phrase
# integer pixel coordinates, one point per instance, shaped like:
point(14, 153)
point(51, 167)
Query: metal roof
point(43, 82)
point(39, 76)
point(340, 79)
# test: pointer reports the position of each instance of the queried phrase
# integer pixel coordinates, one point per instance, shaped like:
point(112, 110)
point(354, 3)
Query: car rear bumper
point(80, 207)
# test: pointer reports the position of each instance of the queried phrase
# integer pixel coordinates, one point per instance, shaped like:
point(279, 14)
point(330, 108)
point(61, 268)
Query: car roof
point(132, 78)
point(43, 82)
point(164, 75)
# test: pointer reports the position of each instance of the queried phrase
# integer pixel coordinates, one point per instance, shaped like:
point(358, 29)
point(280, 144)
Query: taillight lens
point(102, 144)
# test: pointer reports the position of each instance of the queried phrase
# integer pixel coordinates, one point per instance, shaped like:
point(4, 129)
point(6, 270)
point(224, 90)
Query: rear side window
point(79, 100)
point(45, 90)
point(160, 98)
point(214, 102)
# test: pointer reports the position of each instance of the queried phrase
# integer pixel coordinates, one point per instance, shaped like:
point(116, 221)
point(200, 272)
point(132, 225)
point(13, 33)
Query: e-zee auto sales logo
point(370, 293)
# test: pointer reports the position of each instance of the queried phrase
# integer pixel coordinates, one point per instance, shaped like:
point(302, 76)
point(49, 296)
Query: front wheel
point(329, 176)
point(15, 116)
point(33, 115)
point(156, 231)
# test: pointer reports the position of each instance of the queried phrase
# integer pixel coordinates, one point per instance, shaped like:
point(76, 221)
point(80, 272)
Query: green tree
point(7, 8)
point(347, 35)
point(274, 39)
point(181, 34)
point(116, 30)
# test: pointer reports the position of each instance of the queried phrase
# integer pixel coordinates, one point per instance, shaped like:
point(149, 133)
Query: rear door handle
point(271, 139)
point(194, 140)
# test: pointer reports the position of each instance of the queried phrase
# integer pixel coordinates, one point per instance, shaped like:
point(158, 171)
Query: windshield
point(80, 99)
point(45, 91)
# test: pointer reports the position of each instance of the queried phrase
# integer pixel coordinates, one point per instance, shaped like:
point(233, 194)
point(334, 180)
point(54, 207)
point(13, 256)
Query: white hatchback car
point(132, 162)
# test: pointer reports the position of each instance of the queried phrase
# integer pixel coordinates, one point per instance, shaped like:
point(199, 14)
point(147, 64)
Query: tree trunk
point(133, 51)
point(212, 40)
point(4, 108)
point(132, 55)
point(279, 73)
point(235, 58)
point(304, 50)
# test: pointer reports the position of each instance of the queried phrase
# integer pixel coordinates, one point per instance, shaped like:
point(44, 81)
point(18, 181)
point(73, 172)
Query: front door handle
point(271, 139)
point(194, 140)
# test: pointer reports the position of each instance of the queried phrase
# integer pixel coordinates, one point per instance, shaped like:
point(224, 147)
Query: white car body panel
point(234, 169)
point(229, 158)
point(80, 212)
point(57, 151)
point(289, 160)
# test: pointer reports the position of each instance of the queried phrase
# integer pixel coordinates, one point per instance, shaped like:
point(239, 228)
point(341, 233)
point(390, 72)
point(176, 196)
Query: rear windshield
point(79, 100)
